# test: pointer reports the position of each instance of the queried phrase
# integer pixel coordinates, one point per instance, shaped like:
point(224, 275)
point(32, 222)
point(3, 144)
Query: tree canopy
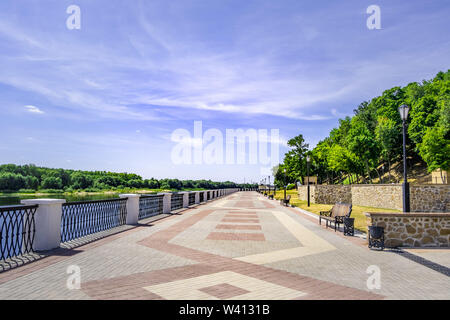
point(15, 177)
point(365, 145)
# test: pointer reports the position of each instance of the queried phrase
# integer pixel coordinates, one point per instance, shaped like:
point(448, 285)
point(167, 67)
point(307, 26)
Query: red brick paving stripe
point(238, 227)
point(236, 236)
point(224, 291)
point(244, 204)
point(268, 205)
point(240, 220)
point(247, 216)
point(243, 212)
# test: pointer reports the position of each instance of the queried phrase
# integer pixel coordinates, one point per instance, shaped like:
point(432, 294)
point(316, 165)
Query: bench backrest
point(341, 209)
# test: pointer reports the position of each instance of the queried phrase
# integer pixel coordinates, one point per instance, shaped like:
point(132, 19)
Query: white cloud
point(155, 65)
point(34, 109)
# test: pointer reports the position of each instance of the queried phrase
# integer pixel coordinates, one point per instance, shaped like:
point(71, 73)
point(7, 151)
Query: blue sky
point(109, 96)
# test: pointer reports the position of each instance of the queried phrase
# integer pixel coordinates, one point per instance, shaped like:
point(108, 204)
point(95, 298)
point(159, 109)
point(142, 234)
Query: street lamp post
point(307, 173)
point(284, 183)
point(403, 110)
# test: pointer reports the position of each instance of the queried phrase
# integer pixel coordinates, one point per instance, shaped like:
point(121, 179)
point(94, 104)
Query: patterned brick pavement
point(242, 246)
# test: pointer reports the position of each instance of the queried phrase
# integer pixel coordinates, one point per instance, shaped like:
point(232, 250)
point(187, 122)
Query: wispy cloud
point(33, 109)
point(171, 71)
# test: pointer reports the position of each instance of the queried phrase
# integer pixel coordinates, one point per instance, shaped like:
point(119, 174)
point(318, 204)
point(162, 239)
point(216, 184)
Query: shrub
point(290, 186)
point(27, 191)
point(51, 191)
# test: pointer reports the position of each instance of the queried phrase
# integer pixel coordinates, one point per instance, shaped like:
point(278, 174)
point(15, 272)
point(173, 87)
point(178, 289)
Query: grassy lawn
point(357, 211)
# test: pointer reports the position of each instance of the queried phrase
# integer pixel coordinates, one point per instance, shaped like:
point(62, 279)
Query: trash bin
point(349, 228)
point(376, 237)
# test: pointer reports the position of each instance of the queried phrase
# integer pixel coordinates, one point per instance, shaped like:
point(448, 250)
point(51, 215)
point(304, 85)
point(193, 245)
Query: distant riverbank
point(13, 198)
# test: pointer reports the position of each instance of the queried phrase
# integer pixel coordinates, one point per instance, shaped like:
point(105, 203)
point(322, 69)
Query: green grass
point(357, 211)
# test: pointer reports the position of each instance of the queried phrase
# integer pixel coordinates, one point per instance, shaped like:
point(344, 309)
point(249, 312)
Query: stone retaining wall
point(326, 194)
point(430, 198)
point(331, 194)
point(386, 196)
point(303, 193)
point(423, 198)
point(413, 229)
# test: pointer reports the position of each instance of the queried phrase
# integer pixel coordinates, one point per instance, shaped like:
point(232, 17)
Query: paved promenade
point(242, 246)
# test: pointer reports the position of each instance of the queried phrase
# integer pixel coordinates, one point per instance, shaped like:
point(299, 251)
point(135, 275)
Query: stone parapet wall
point(413, 229)
point(430, 198)
point(386, 196)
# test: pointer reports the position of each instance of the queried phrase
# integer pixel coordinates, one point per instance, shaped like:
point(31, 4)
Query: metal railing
point(150, 205)
point(191, 198)
point(17, 229)
point(177, 201)
point(82, 218)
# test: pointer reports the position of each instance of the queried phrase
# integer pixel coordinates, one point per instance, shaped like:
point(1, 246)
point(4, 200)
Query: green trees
point(14, 178)
point(387, 134)
point(372, 139)
point(435, 149)
point(80, 181)
point(435, 145)
point(52, 182)
point(12, 181)
point(295, 159)
point(361, 143)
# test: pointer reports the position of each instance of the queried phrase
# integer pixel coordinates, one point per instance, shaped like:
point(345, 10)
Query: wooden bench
point(336, 214)
point(286, 202)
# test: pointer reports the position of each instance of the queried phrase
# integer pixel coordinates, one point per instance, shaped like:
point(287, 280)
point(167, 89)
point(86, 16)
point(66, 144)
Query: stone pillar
point(132, 207)
point(185, 199)
point(205, 196)
point(197, 197)
point(166, 202)
point(47, 223)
